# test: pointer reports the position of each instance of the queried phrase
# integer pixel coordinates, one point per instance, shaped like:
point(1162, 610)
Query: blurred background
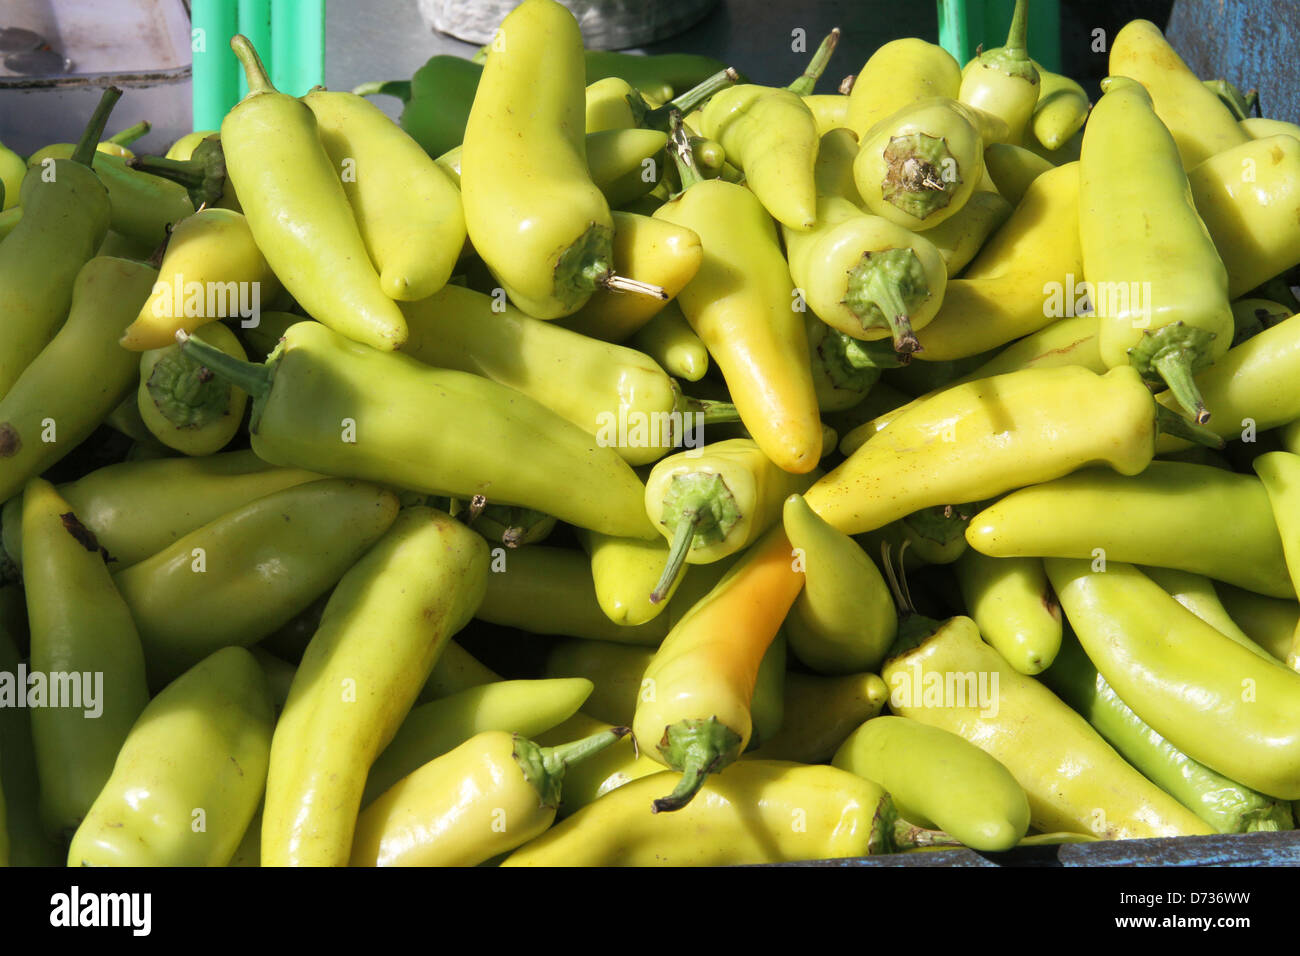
point(56, 54)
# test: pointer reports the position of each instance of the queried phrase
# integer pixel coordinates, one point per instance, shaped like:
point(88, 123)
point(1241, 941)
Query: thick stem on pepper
point(86, 146)
point(805, 84)
point(699, 747)
point(544, 767)
point(701, 510)
point(881, 287)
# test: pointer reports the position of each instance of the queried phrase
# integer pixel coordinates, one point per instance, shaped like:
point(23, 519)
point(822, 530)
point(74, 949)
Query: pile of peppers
point(617, 462)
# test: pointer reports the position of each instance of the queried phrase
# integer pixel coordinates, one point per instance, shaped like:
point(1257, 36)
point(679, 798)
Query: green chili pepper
point(456, 670)
point(82, 637)
point(1013, 606)
point(524, 707)
point(136, 509)
point(141, 206)
point(198, 753)
point(961, 236)
point(327, 403)
point(932, 536)
point(503, 524)
point(202, 173)
point(939, 780)
point(833, 171)
point(626, 573)
point(65, 218)
point(417, 586)
point(436, 101)
point(1162, 516)
point(184, 406)
point(1222, 803)
point(843, 620)
point(298, 211)
point(767, 703)
point(710, 505)
point(1218, 702)
point(1013, 168)
point(78, 378)
point(239, 577)
point(13, 168)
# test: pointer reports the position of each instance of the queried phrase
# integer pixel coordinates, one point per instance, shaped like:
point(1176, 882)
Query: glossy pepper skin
point(742, 816)
point(136, 509)
point(712, 503)
point(1222, 803)
point(740, 303)
point(961, 236)
point(65, 213)
point(1247, 197)
point(78, 378)
point(1070, 341)
point(1161, 291)
point(298, 211)
point(417, 586)
point(200, 745)
point(141, 206)
point(655, 251)
point(939, 779)
point(1215, 700)
point(408, 210)
point(28, 844)
point(1280, 473)
point(210, 256)
point(695, 716)
point(819, 713)
point(532, 211)
point(1163, 516)
point(843, 620)
point(79, 625)
point(1004, 81)
point(1199, 122)
point(669, 339)
point(326, 403)
point(919, 166)
point(899, 73)
point(1074, 780)
point(1196, 593)
point(614, 393)
point(238, 578)
point(491, 794)
point(1061, 110)
point(626, 573)
point(867, 276)
point(524, 707)
point(986, 437)
point(1012, 604)
point(182, 405)
point(772, 136)
point(1006, 291)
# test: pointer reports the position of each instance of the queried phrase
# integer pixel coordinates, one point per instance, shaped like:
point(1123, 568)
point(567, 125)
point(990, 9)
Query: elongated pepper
point(326, 403)
point(419, 585)
point(713, 504)
point(740, 303)
point(1163, 304)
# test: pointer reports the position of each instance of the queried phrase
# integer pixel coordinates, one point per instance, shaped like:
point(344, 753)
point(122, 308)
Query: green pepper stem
point(1171, 423)
point(85, 150)
point(189, 173)
point(683, 535)
point(695, 748)
point(252, 378)
point(556, 758)
point(661, 117)
point(908, 836)
point(879, 287)
point(1175, 367)
point(398, 88)
point(715, 413)
point(1018, 34)
point(129, 135)
point(679, 146)
point(805, 84)
point(254, 72)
